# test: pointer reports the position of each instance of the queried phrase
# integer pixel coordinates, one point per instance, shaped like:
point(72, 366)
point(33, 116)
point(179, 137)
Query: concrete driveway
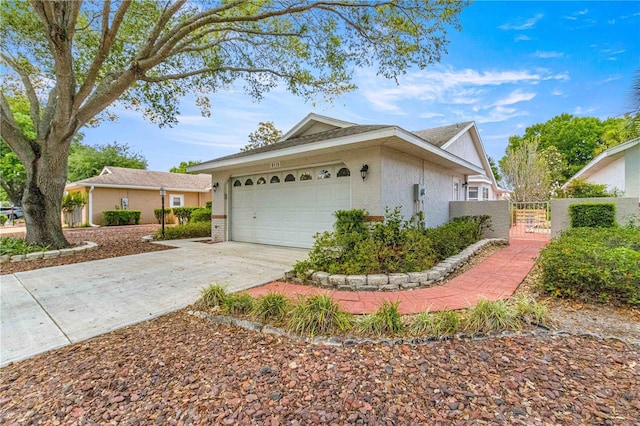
point(53, 307)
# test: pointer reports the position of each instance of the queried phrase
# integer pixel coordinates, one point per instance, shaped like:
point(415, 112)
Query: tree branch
point(167, 77)
point(12, 134)
point(34, 104)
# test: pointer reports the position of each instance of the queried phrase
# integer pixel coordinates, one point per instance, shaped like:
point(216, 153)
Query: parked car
point(12, 212)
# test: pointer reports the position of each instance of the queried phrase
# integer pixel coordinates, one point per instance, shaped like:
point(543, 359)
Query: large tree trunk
point(42, 200)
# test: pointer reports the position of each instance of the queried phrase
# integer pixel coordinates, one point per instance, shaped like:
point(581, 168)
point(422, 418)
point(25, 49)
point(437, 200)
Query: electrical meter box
point(418, 192)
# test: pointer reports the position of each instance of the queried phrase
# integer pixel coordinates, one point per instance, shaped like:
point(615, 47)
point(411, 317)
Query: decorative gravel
point(183, 370)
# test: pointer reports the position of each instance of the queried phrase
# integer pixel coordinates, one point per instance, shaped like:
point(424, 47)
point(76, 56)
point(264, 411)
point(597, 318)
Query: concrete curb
point(50, 254)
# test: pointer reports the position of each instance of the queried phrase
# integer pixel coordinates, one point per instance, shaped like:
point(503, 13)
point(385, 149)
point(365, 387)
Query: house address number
point(275, 164)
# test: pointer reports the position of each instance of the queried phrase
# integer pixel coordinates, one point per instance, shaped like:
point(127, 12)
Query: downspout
point(91, 208)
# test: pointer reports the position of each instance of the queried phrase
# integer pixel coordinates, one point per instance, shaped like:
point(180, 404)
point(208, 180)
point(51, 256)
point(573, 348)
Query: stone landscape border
point(396, 281)
point(50, 254)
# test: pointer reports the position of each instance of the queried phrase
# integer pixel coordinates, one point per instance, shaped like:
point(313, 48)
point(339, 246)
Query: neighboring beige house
point(134, 189)
point(284, 193)
point(617, 167)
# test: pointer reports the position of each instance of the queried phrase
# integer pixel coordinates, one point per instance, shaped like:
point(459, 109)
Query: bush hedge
point(594, 264)
point(395, 245)
point(208, 205)
point(3, 219)
point(188, 230)
point(200, 215)
point(158, 212)
point(121, 217)
point(593, 215)
point(184, 213)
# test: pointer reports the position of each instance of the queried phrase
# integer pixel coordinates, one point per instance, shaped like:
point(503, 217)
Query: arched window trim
point(248, 182)
point(274, 179)
point(343, 172)
point(290, 178)
point(237, 183)
point(261, 181)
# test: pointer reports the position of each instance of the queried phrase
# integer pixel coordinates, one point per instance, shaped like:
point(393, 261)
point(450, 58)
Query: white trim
point(318, 118)
point(149, 188)
point(457, 135)
point(181, 196)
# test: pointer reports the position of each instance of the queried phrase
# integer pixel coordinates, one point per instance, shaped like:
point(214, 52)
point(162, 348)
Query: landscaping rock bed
point(397, 281)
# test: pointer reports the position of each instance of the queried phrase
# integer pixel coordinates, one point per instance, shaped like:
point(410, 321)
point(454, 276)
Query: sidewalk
point(496, 278)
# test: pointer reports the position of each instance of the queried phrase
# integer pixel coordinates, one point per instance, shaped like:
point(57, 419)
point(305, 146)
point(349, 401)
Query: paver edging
point(50, 254)
point(396, 281)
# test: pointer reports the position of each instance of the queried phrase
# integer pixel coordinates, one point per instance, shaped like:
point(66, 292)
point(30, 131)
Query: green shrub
point(273, 306)
point(212, 296)
point(14, 246)
point(121, 217)
point(3, 219)
point(438, 324)
point(237, 304)
point(593, 215)
point(158, 212)
point(71, 200)
point(318, 315)
point(594, 264)
point(189, 230)
point(579, 188)
point(530, 311)
point(184, 213)
point(385, 321)
point(394, 245)
point(200, 215)
point(208, 205)
point(489, 316)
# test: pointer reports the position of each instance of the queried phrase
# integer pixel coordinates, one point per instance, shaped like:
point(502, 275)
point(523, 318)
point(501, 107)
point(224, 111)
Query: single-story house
point(134, 189)
point(286, 192)
point(617, 167)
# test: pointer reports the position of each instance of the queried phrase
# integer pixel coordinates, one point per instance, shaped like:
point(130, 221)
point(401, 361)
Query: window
point(261, 181)
point(237, 183)
point(324, 174)
point(176, 200)
point(473, 193)
point(274, 179)
point(344, 172)
point(456, 190)
point(290, 178)
point(248, 182)
point(305, 176)
point(485, 193)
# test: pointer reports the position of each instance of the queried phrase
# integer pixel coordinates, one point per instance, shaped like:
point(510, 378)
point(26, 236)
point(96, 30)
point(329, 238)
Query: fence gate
point(530, 220)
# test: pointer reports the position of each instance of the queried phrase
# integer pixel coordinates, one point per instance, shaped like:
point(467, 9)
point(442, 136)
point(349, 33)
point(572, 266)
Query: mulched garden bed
point(179, 369)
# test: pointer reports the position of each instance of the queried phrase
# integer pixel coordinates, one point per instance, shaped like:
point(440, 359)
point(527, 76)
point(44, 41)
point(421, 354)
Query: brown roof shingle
point(120, 176)
point(438, 136)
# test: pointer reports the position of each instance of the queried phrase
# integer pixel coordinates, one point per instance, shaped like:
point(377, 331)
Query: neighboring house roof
point(439, 136)
point(603, 159)
point(120, 177)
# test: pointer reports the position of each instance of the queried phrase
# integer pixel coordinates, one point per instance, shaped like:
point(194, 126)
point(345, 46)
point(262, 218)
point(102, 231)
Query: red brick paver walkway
point(496, 278)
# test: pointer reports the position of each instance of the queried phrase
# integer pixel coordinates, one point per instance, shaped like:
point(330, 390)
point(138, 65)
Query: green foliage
point(593, 215)
point(184, 213)
point(3, 219)
point(71, 200)
point(487, 316)
point(208, 205)
point(273, 306)
point(394, 245)
point(265, 134)
point(594, 264)
point(121, 217)
point(88, 161)
point(200, 215)
point(580, 188)
point(212, 296)
point(188, 230)
point(237, 304)
point(318, 315)
point(495, 169)
point(158, 212)
point(437, 324)
point(526, 171)
point(530, 311)
point(13, 246)
point(182, 168)
point(385, 321)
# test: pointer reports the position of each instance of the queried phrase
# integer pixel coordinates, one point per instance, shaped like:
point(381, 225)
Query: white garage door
point(288, 208)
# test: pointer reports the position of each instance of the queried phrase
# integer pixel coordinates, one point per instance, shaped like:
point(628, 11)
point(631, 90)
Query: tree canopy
point(86, 161)
point(73, 59)
point(526, 172)
point(182, 167)
point(265, 134)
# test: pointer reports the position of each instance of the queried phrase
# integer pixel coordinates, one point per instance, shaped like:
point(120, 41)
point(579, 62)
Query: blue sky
point(514, 64)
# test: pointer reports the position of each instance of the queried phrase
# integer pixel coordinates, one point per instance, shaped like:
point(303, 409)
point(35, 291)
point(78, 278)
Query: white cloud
point(526, 25)
point(515, 97)
point(547, 54)
point(557, 93)
point(579, 110)
point(610, 79)
point(522, 37)
point(430, 115)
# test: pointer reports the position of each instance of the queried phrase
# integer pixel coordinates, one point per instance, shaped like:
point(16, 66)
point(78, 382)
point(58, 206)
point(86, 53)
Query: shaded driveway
point(52, 307)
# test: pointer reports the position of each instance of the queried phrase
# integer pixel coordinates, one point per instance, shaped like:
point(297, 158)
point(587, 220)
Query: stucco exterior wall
point(626, 209)
point(632, 172)
point(613, 175)
point(498, 210)
point(464, 148)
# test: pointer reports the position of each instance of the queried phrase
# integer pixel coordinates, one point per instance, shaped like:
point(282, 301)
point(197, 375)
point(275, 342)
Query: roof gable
point(314, 123)
point(604, 159)
point(124, 177)
point(440, 136)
